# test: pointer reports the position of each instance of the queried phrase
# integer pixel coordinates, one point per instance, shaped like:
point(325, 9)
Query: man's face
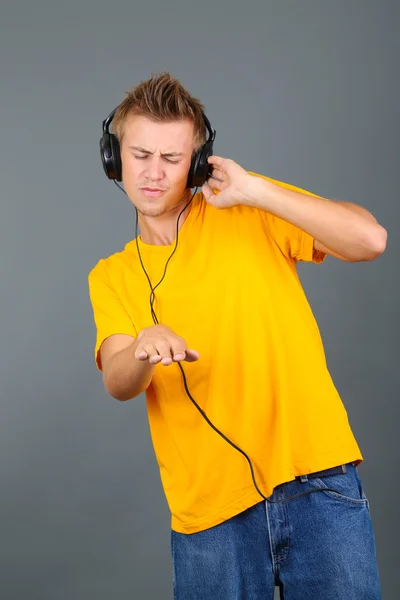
point(155, 163)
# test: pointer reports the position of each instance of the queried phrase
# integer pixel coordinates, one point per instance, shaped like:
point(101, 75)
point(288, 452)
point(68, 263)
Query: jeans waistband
point(340, 469)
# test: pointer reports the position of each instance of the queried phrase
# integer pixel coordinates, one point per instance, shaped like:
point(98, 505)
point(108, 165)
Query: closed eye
point(174, 162)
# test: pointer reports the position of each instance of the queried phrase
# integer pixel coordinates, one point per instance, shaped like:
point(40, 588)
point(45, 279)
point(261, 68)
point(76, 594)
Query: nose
point(154, 168)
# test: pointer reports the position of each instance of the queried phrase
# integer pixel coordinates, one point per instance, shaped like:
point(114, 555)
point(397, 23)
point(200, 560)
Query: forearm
point(126, 376)
point(345, 228)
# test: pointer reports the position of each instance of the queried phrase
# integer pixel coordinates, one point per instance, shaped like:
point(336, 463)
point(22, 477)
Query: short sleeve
point(109, 314)
point(292, 241)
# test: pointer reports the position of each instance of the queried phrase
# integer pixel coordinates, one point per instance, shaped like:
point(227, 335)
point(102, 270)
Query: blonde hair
point(161, 98)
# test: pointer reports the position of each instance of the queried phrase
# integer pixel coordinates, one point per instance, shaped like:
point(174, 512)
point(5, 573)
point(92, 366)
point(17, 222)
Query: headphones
point(110, 154)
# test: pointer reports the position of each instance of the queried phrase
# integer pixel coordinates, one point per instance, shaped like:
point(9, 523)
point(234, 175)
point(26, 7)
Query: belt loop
point(344, 468)
point(303, 478)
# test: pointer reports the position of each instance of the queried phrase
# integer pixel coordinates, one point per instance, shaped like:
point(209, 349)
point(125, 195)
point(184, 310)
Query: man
point(211, 282)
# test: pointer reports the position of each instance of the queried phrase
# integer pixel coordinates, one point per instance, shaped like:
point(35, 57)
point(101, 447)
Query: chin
point(159, 205)
point(151, 207)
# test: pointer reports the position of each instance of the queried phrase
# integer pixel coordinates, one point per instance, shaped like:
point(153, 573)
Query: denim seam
point(274, 567)
point(285, 554)
point(173, 566)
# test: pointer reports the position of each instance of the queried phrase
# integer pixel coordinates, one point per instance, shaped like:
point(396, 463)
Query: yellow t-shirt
point(232, 291)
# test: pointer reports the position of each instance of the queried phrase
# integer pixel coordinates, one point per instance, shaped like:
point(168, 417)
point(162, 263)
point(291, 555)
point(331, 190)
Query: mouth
point(152, 192)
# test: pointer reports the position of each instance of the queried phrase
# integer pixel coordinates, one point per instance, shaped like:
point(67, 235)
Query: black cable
point(201, 411)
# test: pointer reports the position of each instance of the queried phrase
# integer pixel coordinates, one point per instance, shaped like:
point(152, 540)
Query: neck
point(161, 230)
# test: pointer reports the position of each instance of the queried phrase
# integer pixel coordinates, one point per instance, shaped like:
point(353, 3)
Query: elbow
point(119, 392)
point(376, 243)
point(120, 396)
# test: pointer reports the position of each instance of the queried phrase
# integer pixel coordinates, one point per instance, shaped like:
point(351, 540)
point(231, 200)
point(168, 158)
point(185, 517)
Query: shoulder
point(108, 265)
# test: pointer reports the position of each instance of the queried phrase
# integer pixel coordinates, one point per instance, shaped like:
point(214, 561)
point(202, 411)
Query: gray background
point(302, 91)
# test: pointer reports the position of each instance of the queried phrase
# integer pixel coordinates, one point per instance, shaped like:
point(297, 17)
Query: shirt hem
point(249, 499)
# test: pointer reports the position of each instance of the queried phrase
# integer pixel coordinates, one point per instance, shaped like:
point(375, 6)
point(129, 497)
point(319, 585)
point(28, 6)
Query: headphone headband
point(211, 131)
point(107, 121)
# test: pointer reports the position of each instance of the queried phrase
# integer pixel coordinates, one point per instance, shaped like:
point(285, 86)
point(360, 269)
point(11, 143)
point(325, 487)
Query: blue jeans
point(318, 546)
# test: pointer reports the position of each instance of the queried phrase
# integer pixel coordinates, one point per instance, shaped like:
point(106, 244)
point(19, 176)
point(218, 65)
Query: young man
point(204, 311)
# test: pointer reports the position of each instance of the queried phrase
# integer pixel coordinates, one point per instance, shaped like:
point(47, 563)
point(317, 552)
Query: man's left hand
point(228, 185)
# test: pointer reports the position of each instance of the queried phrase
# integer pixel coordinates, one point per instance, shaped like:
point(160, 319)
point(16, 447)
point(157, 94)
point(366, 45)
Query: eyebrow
point(140, 149)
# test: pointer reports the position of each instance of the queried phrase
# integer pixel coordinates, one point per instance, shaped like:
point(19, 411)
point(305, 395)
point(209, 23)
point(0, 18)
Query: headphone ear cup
point(200, 169)
point(116, 153)
point(190, 180)
point(105, 152)
point(111, 156)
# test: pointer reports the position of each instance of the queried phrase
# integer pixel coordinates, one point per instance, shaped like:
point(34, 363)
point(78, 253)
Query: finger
point(192, 355)
point(165, 351)
point(218, 174)
point(148, 352)
point(155, 359)
point(141, 354)
point(214, 183)
point(154, 355)
point(166, 361)
point(178, 350)
point(216, 160)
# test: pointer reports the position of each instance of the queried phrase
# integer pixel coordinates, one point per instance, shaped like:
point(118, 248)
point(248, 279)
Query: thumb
point(207, 191)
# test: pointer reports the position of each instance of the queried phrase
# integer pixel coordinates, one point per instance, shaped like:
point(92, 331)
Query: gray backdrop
point(302, 91)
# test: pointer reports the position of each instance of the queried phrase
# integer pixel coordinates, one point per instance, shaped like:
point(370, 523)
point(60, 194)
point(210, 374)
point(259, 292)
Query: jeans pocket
point(345, 487)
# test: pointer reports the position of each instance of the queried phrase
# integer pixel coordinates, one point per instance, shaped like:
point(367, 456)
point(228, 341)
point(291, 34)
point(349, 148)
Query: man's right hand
point(159, 344)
